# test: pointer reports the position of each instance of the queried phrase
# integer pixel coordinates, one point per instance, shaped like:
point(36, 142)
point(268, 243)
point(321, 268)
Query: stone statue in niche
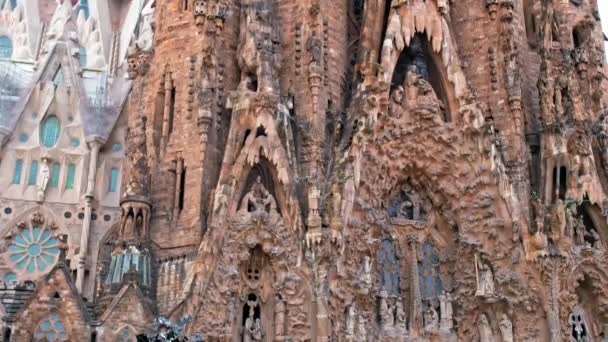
point(485, 283)
point(408, 205)
point(145, 40)
point(602, 137)
point(253, 327)
point(581, 156)
point(579, 231)
point(558, 220)
point(506, 329)
point(540, 212)
point(258, 199)
point(420, 95)
point(43, 178)
point(362, 328)
point(431, 320)
point(446, 311)
point(485, 330)
point(578, 328)
point(365, 275)
point(395, 107)
point(400, 318)
point(258, 55)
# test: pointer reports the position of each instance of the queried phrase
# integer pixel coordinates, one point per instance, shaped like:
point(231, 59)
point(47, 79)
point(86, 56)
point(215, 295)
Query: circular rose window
point(34, 250)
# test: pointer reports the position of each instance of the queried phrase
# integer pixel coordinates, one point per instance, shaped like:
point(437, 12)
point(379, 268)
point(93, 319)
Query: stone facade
point(316, 170)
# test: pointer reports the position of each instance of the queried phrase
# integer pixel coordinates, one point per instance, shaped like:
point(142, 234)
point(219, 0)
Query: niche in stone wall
point(589, 227)
point(428, 63)
point(532, 25)
point(407, 205)
point(259, 192)
point(581, 34)
point(389, 268)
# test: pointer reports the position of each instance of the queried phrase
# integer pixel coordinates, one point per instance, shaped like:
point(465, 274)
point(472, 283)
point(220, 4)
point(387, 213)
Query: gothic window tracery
point(51, 329)
point(579, 329)
point(431, 285)
point(389, 268)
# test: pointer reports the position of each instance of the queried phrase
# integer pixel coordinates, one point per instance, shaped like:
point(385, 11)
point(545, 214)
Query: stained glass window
point(6, 47)
point(51, 330)
point(34, 249)
point(71, 176)
point(23, 137)
point(33, 179)
point(75, 142)
point(428, 268)
point(113, 180)
point(55, 175)
point(389, 268)
point(10, 278)
point(116, 147)
point(84, 6)
point(18, 171)
point(50, 131)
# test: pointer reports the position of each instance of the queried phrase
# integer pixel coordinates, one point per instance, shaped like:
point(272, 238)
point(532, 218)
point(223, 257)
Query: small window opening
point(261, 131)
point(182, 192)
point(172, 110)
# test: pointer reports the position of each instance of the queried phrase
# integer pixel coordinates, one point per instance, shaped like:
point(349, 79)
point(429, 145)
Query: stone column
point(416, 302)
point(179, 174)
point(86, 224)
point(166, 112)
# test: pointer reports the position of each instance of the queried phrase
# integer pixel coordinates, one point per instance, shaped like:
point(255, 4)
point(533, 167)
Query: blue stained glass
point(389, 268)
point(45, 326)
point(84, 6)
point(75, 142)
point(6, 47)
point(429, 273)
point(18, 171)
point(50, 131)
point(71, 176)
point(59, 326)
point(23, 137)
point(34, 250)
point(116, 147)
point(33, 173)
point(55, 175)
point(113, 179)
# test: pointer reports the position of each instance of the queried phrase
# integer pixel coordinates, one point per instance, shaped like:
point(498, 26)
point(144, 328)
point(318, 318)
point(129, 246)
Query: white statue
point(485, 331)
point(253, 328)
point(506, 329)
point(431, 321)
point(365, 277)
point(145, 40)
point(351, 316)
point(446, 311)
point(485, 287)
point(43, 178)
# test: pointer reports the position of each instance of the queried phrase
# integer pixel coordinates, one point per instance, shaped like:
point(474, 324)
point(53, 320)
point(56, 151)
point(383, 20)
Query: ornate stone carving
point(431, 320)
point(258, 199)
point(485, 282)
point(420, 96)
point(446, 311)
point(485, 330)
point(43, 178)
point(506, 329)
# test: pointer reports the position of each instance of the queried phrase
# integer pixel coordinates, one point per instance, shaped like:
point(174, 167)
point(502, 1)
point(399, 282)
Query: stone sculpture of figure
point(253, 328)
point(386, 312)
point(395, 107)
point(279, 316)
point(258, 199)
point(602, 136)
point(506, 329)
point(485, 330)
point(400, 318)
point(579, 232)
point(43, 178)
point(351, 317)
point(419, 92)
point(593, 239)
point(365, 276)
point(539, 214)
point(446, 311)
point(558, 220)
point(431, 319)
point(145, 41)
point(486, 280)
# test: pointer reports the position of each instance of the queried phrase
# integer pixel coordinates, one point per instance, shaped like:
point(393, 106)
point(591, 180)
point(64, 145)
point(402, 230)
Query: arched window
point(83, 56)
point(55, 175)
point(431, 285)
point(389, 268)
point(6, 47)
point(34, 250)
point(51, 329)
point(33, 179)
point(114, 173)
point(50, 131)
point(579, 329)
point(18, 171)
point(71, 176)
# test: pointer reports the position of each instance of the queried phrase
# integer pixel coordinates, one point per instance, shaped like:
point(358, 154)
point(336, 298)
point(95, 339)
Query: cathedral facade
point(311, 170)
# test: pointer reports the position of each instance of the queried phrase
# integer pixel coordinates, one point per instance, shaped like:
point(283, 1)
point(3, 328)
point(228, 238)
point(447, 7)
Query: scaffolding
point(13, 80)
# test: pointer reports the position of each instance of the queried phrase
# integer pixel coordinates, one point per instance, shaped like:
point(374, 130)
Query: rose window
point(34, 250)
point(51, 329)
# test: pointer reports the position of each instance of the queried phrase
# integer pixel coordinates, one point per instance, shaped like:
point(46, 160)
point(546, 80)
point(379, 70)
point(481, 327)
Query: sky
point(603, 5)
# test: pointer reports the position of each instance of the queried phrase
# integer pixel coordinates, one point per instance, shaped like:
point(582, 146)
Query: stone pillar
point(179, 174)
point(416, 302)
point(86, 224)
point(166, 112)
